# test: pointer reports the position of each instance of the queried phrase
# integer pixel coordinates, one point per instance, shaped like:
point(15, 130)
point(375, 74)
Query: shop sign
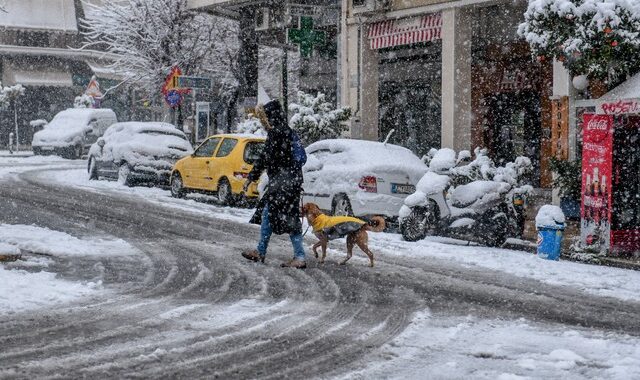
point(619, 107)
point(595, 212)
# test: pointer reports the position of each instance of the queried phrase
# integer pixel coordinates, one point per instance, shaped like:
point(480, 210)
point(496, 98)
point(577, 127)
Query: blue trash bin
point(550, 241)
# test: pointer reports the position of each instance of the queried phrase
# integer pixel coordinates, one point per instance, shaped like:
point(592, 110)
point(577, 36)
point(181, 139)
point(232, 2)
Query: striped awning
point(405, 31)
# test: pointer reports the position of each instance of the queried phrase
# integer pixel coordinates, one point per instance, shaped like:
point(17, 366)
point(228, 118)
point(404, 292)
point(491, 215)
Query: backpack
point(297, 150)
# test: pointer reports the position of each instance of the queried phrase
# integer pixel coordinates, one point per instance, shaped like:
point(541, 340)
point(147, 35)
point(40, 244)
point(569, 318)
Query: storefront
point(610, 209)
point(409, 77)
point(509, 98)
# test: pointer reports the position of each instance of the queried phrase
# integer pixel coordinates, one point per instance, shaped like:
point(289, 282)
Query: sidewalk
point(571, 234)
point(22, 153)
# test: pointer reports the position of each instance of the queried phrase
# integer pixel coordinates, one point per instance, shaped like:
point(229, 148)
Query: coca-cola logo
point(597, 124)
point(596, 128)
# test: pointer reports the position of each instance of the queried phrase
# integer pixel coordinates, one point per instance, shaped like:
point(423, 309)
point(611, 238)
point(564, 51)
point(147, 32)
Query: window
point(226, 147)
point(207, 148)
point(252, 151)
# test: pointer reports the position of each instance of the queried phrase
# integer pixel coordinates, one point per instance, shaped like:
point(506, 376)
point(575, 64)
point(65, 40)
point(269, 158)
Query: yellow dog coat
point(335, 227)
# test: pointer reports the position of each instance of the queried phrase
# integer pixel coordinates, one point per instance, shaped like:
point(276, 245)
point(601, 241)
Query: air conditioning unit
point(262, 19)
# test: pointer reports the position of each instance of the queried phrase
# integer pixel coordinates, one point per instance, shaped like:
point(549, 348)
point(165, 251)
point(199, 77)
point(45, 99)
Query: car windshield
point(252, 151)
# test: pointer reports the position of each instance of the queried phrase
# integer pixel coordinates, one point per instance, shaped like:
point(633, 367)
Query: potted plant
point(568, 181)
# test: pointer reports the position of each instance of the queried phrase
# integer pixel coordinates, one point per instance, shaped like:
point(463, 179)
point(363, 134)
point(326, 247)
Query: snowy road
point(186, 305)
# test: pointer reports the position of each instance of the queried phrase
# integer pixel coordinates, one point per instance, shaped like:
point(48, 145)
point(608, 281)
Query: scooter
point(477, 211)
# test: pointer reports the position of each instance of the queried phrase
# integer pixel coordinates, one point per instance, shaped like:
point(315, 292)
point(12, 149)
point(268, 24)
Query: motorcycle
point(475, 211)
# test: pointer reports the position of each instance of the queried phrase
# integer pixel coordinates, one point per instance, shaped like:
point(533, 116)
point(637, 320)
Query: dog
point(333, 227)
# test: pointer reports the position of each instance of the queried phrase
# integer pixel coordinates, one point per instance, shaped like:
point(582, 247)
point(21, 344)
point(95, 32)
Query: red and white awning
point(405, 31)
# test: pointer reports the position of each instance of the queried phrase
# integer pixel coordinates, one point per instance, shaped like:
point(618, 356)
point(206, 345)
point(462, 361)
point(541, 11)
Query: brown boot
point(253, 255)
point(294, 263)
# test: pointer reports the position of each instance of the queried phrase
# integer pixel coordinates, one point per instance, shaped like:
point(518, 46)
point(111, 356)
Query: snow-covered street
point(131, 282)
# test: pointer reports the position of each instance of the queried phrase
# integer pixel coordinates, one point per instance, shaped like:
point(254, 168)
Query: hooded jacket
point(285, 177)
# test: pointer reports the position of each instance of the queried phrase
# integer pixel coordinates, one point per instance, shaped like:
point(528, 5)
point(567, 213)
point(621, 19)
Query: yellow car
point(220, 165)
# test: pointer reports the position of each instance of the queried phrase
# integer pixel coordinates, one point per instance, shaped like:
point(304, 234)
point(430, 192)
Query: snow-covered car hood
point(152, 144)
point(57, 135)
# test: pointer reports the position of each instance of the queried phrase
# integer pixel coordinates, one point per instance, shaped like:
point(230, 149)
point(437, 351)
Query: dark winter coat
point(285, 177)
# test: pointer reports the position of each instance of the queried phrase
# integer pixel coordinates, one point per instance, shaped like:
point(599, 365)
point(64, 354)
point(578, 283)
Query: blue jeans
point(265, 235)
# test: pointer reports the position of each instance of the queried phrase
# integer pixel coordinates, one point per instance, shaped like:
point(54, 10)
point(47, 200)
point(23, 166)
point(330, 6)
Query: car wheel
point(92, 168)
point(177, 186)
point(341, 206)
point(124, 174)
point(225, 195)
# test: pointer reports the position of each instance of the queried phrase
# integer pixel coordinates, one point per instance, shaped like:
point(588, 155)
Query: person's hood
point(275, 114)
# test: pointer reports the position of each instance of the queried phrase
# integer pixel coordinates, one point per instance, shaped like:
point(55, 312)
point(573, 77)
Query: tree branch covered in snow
point(149, 37)
point(315, 119)
point(597, 38)
point(252, 126)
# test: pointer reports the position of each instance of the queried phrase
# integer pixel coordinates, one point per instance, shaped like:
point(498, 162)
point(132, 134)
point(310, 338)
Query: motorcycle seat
point(478, 193)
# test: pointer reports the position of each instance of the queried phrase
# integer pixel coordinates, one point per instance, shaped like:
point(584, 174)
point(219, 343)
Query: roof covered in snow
point(39, 14)
point(630, 89)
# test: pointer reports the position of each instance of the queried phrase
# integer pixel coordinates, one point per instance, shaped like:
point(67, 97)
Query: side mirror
point(101, 142)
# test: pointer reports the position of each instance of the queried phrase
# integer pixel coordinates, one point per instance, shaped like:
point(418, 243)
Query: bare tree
point(149, 37)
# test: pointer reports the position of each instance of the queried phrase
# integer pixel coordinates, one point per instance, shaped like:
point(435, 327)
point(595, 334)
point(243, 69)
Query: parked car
point(135, 152)
point(360, 178)
point(220, 165)
point(72, 131)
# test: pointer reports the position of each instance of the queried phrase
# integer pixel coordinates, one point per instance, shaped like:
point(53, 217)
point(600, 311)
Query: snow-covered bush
point(83, 101)
point(315, 119)
point(251, 125)
point(597, 38)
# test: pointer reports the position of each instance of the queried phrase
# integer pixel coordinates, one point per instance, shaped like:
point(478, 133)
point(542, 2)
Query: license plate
point(47, 148)
point(397, 188)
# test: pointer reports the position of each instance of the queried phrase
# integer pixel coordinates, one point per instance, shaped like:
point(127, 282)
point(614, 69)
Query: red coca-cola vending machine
point(610, 213)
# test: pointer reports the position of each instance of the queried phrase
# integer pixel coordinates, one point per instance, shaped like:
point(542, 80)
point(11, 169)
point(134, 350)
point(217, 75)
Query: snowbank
point(549, 216)
point(43, 240)
point(25, 285)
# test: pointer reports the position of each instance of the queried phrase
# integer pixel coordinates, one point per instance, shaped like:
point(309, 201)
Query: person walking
point(278, 210)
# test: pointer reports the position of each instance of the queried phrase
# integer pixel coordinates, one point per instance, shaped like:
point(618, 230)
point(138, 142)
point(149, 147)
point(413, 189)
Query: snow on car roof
point(132, 141)
point(133, 127)
point(78, 118)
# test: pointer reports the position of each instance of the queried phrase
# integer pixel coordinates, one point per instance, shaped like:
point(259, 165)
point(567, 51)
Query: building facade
point(446, 74)
point(37, 50)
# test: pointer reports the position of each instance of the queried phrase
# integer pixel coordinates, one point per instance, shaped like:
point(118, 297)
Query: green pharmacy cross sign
point(305, 36)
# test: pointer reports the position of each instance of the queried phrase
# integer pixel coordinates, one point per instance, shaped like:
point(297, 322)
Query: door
point(196, 169)
point(222, 164)
point(515, 129)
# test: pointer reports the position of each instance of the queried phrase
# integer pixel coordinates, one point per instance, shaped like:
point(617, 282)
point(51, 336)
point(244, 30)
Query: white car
point(138, 152)
point(360, 178)
point(72, 131)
